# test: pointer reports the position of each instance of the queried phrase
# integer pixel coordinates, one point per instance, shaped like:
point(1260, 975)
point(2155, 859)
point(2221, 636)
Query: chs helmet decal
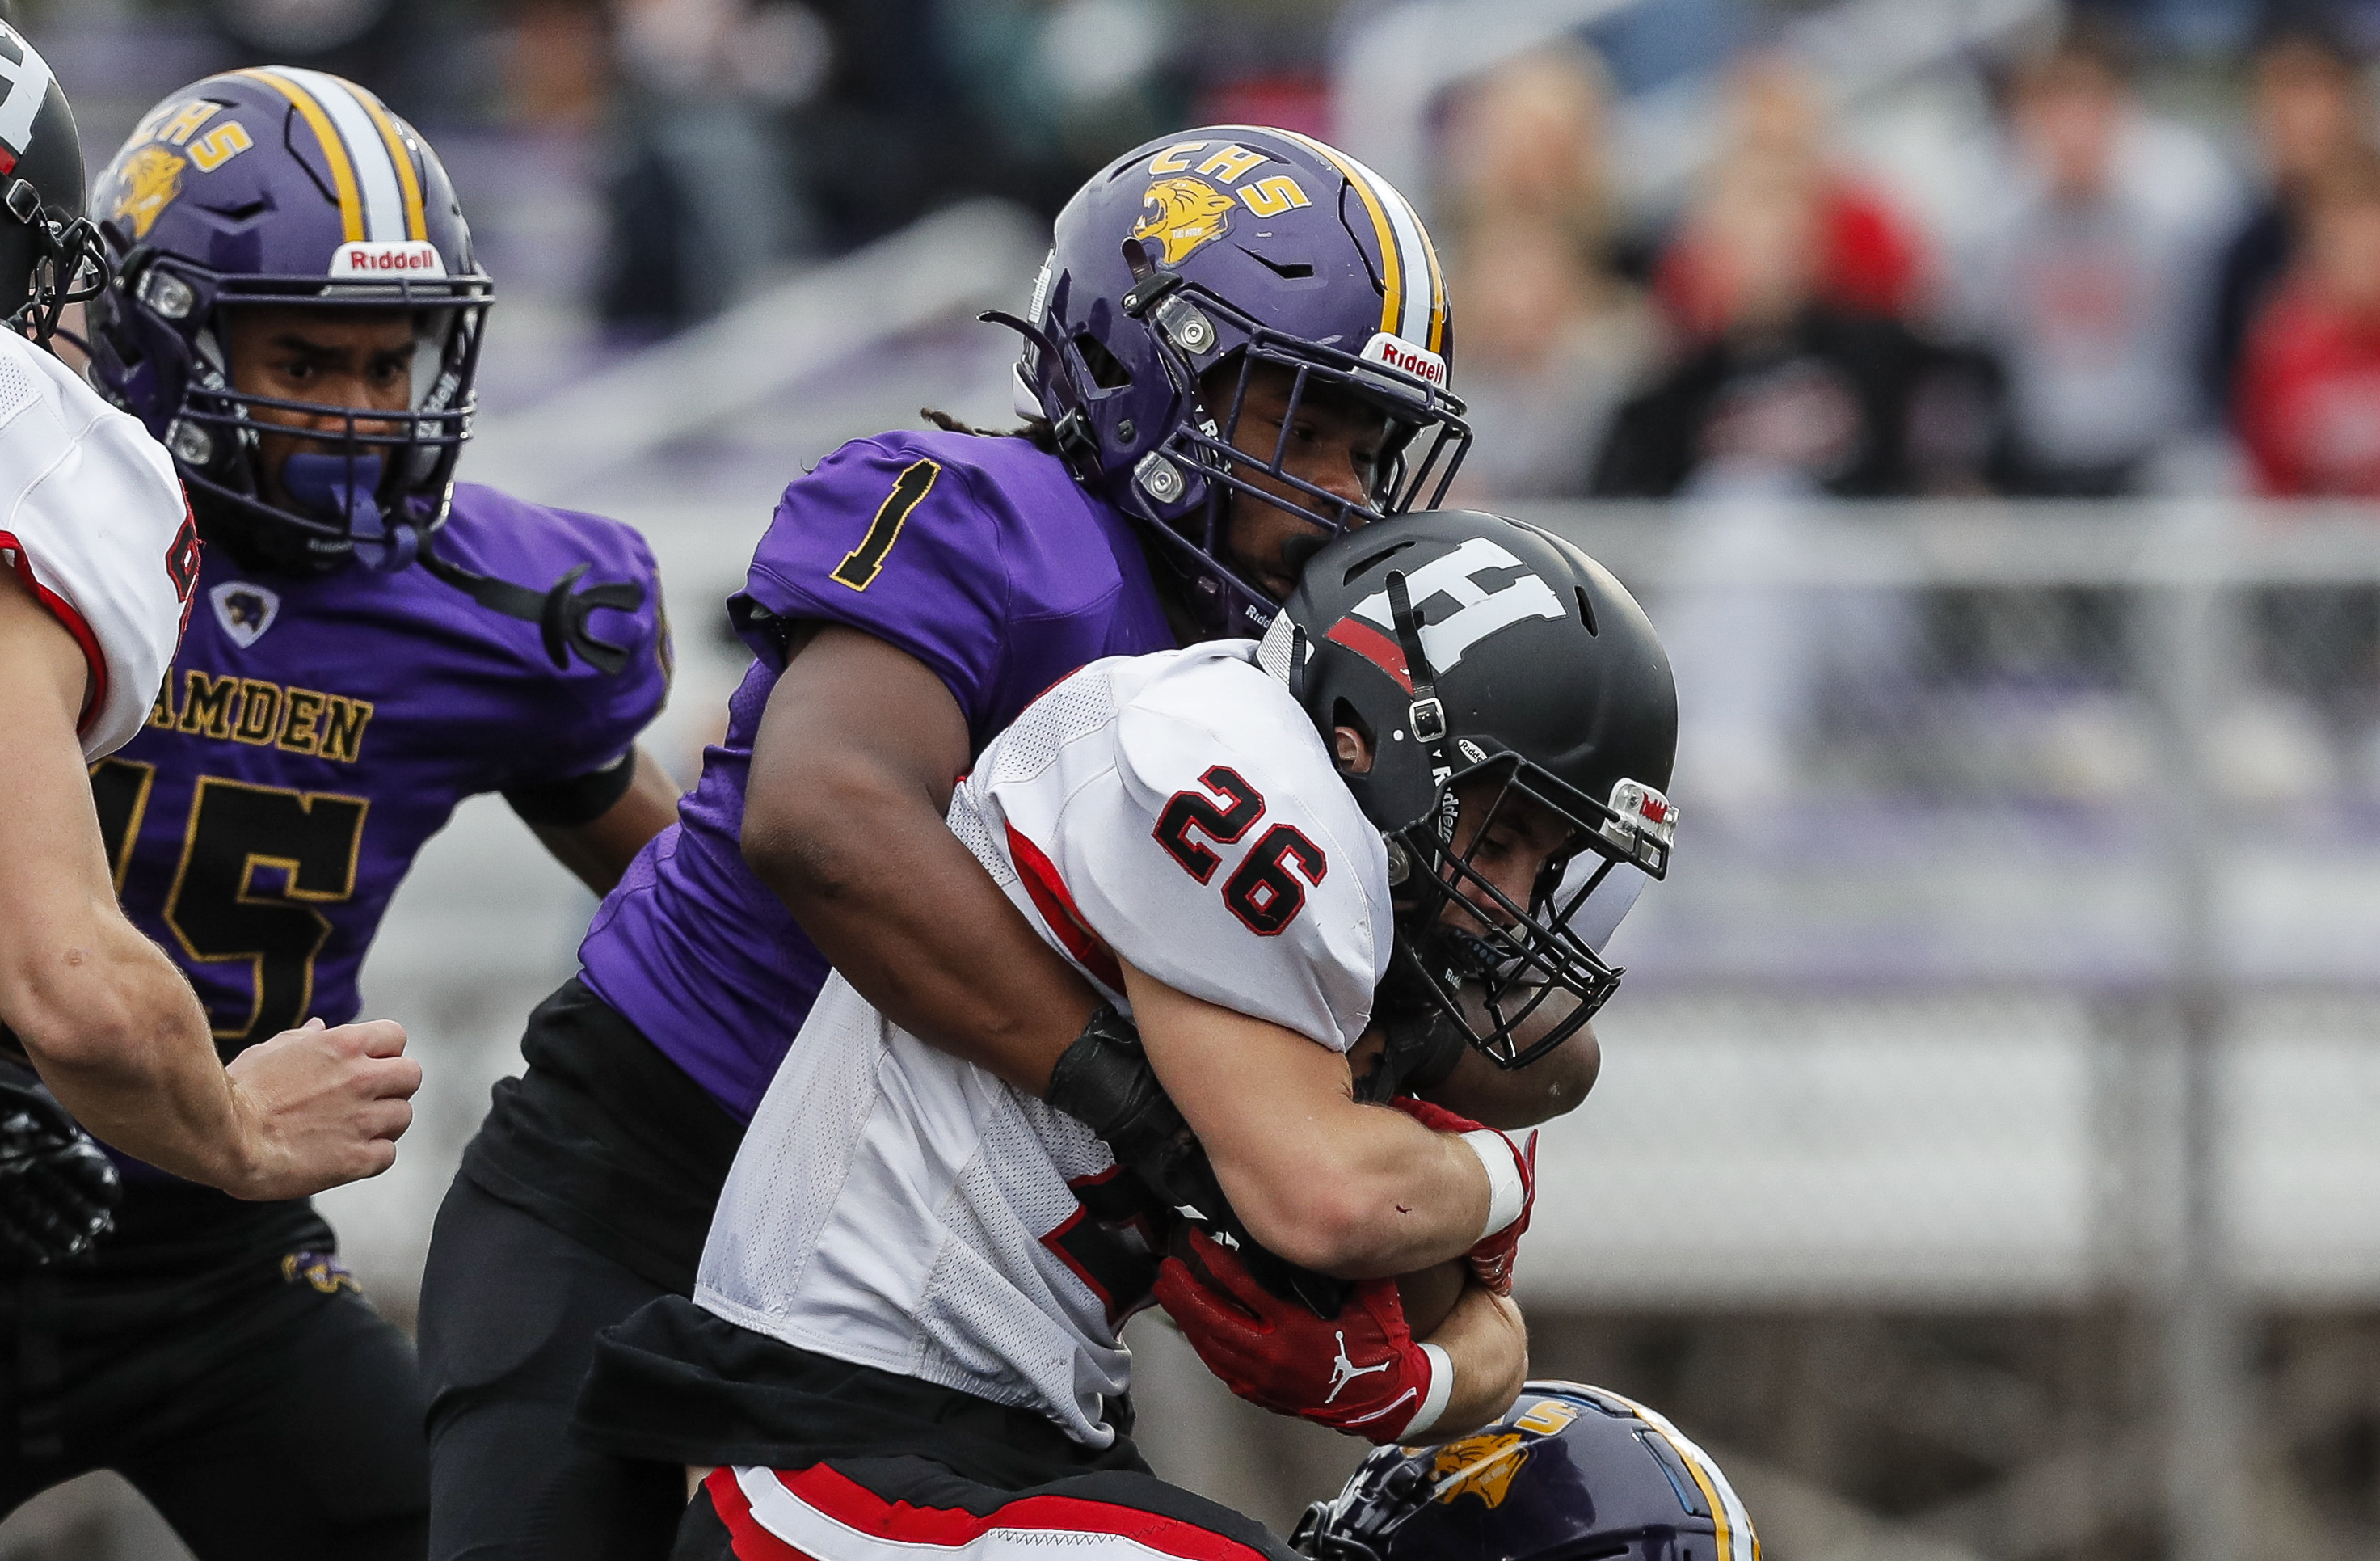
point(1184, 214)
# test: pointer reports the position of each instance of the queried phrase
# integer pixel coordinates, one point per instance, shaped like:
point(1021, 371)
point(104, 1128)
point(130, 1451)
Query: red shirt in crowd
point(2309, 398)
point(1874, 264)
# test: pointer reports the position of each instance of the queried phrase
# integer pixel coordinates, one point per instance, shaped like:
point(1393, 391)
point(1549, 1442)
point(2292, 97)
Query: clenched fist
point(319, 1107)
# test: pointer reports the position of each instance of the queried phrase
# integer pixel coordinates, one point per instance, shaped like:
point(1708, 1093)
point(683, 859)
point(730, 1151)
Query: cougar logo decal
point(152, 178)
point(1183, 214)
point(1483, 1465)
point(245, 611)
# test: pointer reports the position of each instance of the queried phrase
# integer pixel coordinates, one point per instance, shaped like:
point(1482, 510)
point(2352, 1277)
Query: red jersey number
point(1266, 892)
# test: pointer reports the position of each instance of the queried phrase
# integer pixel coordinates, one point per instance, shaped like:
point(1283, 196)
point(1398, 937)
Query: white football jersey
point(898, 1208)
point(94, 522)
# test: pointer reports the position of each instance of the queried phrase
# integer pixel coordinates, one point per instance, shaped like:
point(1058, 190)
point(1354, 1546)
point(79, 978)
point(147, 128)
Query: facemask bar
point(69, 263)
point(1358, 1525)
point(1515, 963)
point(1410, 405)
point(415, 450)
point(1418, 412)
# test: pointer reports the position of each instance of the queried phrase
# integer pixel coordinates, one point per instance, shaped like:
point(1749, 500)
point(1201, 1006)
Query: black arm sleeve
point(580, 800)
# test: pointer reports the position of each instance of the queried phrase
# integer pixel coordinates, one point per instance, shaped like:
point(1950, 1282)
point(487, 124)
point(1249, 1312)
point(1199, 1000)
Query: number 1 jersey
point(895, 1207)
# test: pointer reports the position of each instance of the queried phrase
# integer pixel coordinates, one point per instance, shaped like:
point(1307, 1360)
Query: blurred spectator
point(2089, 280)
point(703, 196)
point(1549, 347)
point(367, 41)
point(1796, 391)
point(1058, 87)
point(2309, 411)
point(1869, 260)
point(1549, 338)
point(1527, 138)
point(2308, 111)
point(556, 70)
point(2309, 399)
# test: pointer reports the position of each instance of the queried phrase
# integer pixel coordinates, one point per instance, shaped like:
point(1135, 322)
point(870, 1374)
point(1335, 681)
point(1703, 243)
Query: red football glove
point(1491, 1259)
point(1360, 1372)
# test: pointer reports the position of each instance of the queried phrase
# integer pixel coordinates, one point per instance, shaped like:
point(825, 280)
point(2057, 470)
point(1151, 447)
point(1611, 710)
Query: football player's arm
point(843, 818)
point(1514, 1098)
point(1344, 1188)
point(1487, 1344)
point(105, 1019)
point(598, 849)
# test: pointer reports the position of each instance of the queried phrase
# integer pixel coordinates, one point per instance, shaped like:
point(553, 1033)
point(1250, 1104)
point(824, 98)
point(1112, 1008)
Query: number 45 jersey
point(897, 1208)
point(313, 732)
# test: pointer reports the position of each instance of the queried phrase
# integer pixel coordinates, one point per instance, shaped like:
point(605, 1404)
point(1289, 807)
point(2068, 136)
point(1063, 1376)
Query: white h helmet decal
point(29, 82)
point(1482, 612)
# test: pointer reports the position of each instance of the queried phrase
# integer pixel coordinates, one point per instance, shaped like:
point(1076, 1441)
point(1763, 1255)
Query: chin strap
point(559, 612)
point(1426, 715)
point(345, 489)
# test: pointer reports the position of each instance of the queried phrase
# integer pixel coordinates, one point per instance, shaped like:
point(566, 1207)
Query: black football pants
point(260, 1419)
point(510, 1308)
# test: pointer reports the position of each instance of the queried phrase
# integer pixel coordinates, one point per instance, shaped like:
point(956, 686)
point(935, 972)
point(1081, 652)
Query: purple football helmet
point(289, 187)
point(1569, 1473)
point(1236, 245)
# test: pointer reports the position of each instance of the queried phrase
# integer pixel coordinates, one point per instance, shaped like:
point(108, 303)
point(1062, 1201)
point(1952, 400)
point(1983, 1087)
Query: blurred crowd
point(2159, 270)
point(2126, 309)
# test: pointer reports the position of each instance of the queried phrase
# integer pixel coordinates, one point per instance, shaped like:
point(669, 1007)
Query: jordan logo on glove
point(1343, 1371)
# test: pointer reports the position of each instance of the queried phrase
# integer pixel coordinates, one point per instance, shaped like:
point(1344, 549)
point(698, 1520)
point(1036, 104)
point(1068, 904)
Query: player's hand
point(1359, 1373)
point(1104, 1081)
point(57, 1189)
point(321, 1106)
point(1491, 1259)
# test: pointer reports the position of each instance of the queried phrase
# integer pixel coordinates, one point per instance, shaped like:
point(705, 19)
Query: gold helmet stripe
point(375, 161)
point(327, 136)
point(1413, 305)
point(1392, 269)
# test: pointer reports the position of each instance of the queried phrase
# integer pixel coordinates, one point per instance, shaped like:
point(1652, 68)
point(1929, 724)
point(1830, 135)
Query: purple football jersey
point(978, 555)
point(314, 731)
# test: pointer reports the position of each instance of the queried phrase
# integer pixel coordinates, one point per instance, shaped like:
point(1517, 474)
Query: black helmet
point(1470, 648)
point(49, 254)
point(1569, 1473)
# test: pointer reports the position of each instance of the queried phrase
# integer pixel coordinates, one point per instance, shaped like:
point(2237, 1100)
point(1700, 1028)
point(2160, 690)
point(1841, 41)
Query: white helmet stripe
point(376, 179)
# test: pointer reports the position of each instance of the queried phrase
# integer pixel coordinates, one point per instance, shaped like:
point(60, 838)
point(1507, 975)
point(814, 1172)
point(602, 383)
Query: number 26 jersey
point(897, 1208)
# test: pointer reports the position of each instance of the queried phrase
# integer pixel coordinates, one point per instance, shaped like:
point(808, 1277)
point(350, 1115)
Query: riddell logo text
point(418, 258)
point(1398, 353)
